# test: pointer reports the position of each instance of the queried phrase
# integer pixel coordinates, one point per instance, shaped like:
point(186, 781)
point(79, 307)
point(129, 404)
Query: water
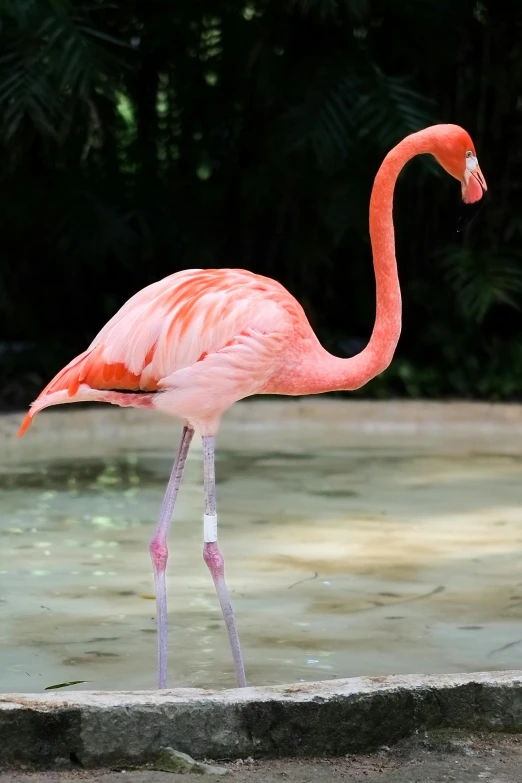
point(384, 556)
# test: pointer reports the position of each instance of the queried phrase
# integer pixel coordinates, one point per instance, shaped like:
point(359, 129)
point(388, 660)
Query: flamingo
point(197, 341)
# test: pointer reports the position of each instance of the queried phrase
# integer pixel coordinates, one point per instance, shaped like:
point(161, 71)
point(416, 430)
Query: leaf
point(481, 280)
point(53, 58)
point(65, 684)
point(322, 120)
point(390, 109)
point(344, 103)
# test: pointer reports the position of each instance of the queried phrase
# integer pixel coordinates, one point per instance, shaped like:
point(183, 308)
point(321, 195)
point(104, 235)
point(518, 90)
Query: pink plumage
point(197, 340)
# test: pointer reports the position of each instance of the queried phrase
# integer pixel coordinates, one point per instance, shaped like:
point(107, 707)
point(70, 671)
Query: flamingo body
point(194, 342)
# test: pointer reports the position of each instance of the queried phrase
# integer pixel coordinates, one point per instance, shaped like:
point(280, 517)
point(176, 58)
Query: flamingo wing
point(171, 325)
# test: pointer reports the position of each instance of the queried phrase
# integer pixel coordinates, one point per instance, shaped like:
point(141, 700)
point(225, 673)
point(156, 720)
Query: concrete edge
point(97, 729)
point(349, 413)
point(70, 430)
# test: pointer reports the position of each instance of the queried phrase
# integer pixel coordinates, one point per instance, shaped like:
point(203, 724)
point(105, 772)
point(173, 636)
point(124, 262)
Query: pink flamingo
point(192, 344)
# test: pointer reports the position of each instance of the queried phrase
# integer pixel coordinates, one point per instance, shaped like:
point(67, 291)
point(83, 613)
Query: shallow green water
point(372, 559)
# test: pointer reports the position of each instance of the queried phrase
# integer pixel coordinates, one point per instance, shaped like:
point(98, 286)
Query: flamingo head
point(456, 154)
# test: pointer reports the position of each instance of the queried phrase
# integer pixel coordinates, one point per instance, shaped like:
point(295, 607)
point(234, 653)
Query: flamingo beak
point(473, 185)
point(473, 190)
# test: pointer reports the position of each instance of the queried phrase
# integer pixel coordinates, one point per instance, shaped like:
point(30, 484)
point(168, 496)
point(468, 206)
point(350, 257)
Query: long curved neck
point(331, 373)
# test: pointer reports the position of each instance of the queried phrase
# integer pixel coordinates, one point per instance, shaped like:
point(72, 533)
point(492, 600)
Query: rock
point(170, 760)
point(209, 769)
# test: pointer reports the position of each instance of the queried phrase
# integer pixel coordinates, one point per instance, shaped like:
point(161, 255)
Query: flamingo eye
point(471, 161)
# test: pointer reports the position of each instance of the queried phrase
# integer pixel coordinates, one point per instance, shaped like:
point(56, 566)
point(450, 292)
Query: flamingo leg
point(214, 559)
point(159, 551)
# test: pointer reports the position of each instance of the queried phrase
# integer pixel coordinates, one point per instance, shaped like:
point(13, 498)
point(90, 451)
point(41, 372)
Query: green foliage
point(482, 279)
point(343, 105)
point(53, 57)
point(389, 109)
point(138, 138)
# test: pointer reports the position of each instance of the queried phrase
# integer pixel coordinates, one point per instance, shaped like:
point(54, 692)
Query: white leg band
point(209, 528)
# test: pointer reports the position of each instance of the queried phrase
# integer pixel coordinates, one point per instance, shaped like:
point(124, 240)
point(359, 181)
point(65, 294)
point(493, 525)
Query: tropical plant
point(141, 137)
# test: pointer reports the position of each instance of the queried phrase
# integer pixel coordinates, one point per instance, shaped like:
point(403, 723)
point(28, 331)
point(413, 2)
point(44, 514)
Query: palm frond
point(346, 103)
point(54, 55)
point(389, 108)
point(26, 93)
point(481, 280)
point(322, 121)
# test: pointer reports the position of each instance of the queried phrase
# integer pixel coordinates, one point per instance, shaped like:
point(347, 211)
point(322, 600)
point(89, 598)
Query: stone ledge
point(97, 729)
point(313, 422)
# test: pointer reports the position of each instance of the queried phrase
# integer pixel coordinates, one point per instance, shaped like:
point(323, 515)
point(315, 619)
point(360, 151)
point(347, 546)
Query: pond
point(347, 553)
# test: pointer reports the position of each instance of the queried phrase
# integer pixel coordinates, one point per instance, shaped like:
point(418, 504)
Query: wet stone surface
point(390, 554)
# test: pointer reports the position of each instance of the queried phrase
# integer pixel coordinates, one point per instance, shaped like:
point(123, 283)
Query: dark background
point(140, 137)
